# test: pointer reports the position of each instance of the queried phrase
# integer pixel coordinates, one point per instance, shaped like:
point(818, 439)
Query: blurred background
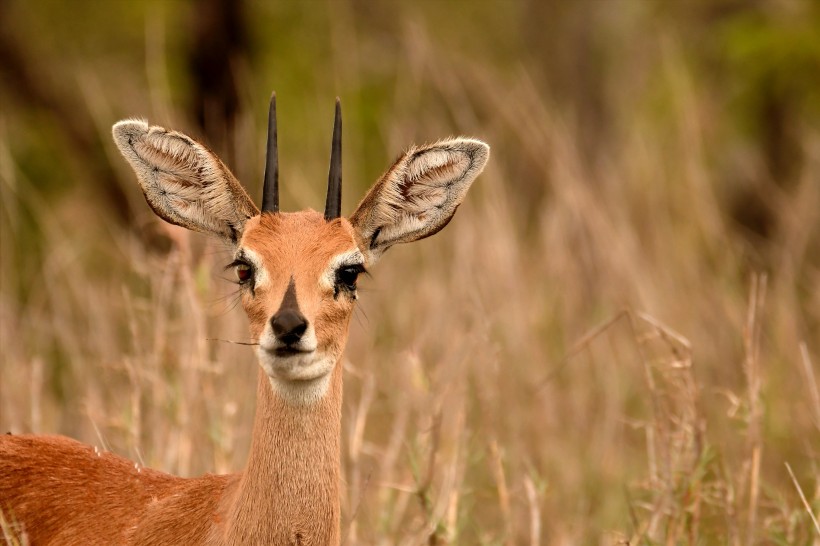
point(617, 340)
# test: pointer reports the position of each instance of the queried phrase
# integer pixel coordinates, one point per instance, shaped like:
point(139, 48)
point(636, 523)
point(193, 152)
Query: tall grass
point(590, 353)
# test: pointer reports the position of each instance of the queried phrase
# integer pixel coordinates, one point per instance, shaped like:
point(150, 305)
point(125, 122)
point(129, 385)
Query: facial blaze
point(302, 293)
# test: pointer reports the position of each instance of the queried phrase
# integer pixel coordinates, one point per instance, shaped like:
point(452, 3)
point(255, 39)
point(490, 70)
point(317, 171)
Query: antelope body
point(297, 273)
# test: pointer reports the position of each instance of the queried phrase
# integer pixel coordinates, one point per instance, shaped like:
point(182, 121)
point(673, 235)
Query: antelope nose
point(288, 326)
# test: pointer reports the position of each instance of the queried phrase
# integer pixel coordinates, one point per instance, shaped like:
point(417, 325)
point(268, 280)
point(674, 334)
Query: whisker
point(359, 313)
point(231, 341)
point(228, 302)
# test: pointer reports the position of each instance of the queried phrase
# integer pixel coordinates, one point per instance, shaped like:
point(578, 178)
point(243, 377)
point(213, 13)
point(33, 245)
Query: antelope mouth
point(291, 364)
point(284, 352)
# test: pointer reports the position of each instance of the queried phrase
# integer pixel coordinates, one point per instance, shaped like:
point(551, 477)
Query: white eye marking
point(352, 257)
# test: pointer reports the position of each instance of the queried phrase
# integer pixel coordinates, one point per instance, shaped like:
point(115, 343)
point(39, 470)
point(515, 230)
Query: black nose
point(288, 326)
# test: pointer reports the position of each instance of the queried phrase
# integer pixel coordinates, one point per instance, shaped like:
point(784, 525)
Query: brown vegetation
point(617, 339)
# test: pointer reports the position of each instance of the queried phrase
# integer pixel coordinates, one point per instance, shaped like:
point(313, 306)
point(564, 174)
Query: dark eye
point(346, 276)
point(244, 272)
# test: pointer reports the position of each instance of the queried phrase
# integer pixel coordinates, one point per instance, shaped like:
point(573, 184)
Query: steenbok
point(297, 274)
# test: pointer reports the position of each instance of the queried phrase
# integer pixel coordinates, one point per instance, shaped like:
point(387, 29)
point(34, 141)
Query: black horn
point(333, 205)
point(270, 191)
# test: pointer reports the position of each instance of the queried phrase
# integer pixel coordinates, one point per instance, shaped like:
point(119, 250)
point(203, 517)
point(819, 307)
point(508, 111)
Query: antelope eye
point(346, 276)
point(244, 273)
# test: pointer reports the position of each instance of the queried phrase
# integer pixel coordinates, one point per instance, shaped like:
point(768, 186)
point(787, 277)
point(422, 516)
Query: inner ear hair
point(419, 194)
point(183, 181)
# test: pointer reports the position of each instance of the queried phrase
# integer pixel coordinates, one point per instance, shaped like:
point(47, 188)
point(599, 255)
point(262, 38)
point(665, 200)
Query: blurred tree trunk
point(219, 41)
point(778, 140)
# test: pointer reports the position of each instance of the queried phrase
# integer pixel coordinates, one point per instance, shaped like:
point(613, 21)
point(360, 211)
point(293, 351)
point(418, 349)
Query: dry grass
point(588, 354)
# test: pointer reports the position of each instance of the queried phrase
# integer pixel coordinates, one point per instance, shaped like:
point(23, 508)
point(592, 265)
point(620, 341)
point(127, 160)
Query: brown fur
point(289, 490)
point(55, 490)
point(59, 491)
point(299, 245)
point(77, 495)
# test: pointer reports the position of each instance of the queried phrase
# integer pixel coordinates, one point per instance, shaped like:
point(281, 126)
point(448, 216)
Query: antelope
point(297, 274)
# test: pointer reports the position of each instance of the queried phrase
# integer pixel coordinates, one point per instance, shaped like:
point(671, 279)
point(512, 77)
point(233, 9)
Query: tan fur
point(58, 491)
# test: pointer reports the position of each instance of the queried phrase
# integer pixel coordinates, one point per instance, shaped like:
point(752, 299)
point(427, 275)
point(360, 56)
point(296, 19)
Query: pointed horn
point(270, 191)
point(333, 205)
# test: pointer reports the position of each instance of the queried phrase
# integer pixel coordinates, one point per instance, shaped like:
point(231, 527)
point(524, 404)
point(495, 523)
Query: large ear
point(418, 195)
point(183, 181)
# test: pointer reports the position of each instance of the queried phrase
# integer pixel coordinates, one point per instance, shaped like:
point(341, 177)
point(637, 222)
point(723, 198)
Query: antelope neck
point(289, 491)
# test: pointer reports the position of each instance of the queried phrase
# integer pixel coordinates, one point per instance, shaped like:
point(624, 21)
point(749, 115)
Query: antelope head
point(297, 271)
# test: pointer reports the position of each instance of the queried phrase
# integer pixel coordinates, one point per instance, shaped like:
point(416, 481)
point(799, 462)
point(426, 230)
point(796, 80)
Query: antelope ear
point(183, 181)
point(418, 195)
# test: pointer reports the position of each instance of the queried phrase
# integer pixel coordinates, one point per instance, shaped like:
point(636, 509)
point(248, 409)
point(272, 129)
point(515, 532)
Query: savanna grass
point(591, 353)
